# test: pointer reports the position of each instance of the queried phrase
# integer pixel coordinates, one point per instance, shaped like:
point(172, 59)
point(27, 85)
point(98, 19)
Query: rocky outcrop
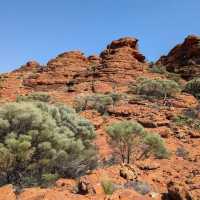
point(30, 66)
point(123, 45)
point(184, 58)
point(59, 72)
point(119, 64)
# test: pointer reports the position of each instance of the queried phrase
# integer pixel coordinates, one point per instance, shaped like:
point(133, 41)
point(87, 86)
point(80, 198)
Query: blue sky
point(41, 29)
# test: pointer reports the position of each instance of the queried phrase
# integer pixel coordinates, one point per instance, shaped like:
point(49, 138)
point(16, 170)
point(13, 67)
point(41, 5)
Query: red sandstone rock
point(119, 64)
point(30, 66)
point(7, 193)
point(184, 58)
point(72, 74)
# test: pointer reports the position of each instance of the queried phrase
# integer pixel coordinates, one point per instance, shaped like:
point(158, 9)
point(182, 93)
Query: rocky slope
point(71, 74)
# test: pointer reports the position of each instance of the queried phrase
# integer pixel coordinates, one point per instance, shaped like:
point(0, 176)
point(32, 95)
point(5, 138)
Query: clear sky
point(41, 29)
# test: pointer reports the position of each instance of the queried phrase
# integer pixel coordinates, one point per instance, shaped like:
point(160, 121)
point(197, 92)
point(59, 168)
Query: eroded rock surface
point(72, 74)
point(184, 58)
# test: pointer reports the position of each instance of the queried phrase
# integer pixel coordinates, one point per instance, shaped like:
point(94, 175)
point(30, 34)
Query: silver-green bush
point(39, 141)
point(193, 87)
point(159, 88)
point(131, 140)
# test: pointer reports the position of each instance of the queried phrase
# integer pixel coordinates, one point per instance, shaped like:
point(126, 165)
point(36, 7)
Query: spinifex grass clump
point(108, 186)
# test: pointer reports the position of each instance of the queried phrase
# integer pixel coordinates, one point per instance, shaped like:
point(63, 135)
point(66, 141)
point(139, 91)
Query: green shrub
point(116, 97)
point(98, 102)
point(162, 70)
point(39, 141)
point(44, 97)
point(157, 88)
point(155, 145)
point(193, 87)
point(49, 179)
point(124, 136)
point(108, 186)
point(184, 119)
point(129, 137)
point(158, 69)
point(174, 77)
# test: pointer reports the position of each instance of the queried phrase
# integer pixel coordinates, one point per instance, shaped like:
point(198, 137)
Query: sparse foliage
point(108, 186)
point(184, 119)
point(162, 70)
point(193, 87)
point(99, 102)
point(157, 69)
point(155, 145)
point(130, 139)
point(158, 88)
point(44, 97)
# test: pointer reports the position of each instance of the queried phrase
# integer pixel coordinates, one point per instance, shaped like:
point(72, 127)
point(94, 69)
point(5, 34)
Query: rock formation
point(184, 58)
point(72, 74)
point(117, 65)
point(30, 66)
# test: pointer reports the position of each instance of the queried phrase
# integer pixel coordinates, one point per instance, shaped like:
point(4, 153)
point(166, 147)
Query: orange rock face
point(58, 72)
point(184, 58)
point(72, 74)
point(30, 66)
point(117, 65)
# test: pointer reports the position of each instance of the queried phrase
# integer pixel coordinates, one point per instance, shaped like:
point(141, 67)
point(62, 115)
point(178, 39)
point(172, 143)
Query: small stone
point(128, 172)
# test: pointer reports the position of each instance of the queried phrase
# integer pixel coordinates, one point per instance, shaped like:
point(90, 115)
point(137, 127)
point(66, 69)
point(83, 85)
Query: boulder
point(85, 187)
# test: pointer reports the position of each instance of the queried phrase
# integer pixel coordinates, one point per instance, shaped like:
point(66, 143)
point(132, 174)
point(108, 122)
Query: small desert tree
point(159, 88)
point(130, 139)
point(99, 102)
